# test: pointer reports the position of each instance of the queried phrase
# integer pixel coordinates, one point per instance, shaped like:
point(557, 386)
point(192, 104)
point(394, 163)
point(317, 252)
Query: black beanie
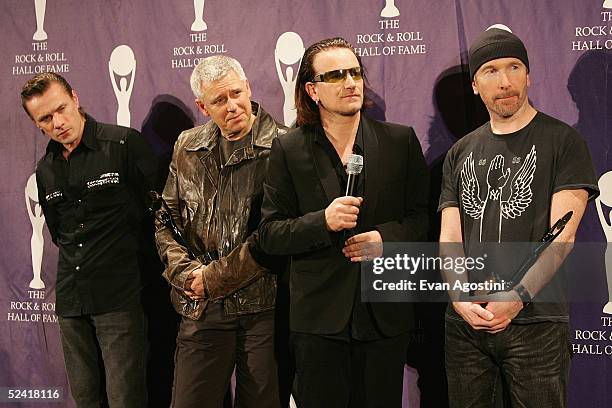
point(495, 43)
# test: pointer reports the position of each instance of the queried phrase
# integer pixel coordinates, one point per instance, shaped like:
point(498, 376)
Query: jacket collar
point(372, 134)
point(262, 132)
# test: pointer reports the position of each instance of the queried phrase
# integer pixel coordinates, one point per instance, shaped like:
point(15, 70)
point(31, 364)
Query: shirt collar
point(357, 146)
point(88, 139)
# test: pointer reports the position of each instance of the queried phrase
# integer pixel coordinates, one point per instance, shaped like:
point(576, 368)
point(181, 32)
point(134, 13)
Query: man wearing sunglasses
point(348, 352)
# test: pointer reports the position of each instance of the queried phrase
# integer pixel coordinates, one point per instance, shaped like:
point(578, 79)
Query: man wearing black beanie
point(510, 180)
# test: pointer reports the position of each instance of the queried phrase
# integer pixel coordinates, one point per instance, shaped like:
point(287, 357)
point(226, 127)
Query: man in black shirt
point(91, 182)
point(510, 180)
point(347, 351)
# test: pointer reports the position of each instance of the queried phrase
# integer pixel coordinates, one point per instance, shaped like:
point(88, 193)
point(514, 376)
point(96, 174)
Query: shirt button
point(78, 268)
point(81, 226)
point(80, 245)
point(79, 201)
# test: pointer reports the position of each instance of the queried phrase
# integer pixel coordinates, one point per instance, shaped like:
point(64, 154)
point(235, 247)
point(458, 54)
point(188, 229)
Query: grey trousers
point(106, 348)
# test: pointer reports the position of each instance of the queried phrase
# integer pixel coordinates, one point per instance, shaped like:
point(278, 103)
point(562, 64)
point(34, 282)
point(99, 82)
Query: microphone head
point(354, 164)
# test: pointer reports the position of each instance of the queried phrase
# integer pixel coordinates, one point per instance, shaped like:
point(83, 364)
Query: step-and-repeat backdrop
point(130, 63)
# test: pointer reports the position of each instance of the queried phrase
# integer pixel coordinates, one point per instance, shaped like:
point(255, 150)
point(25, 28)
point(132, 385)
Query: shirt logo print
point(103, 179)
point(497, 178)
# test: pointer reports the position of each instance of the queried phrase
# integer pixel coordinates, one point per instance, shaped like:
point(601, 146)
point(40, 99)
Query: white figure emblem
point(605, 197)
point(37, 243)
point(390, 10)
point(40, 7)
point(497, 177)
point(123, 64)
point(500, 26)
point(198, 23)
point(289, 51)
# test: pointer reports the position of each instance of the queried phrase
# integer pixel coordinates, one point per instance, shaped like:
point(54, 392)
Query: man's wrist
point(523, 293)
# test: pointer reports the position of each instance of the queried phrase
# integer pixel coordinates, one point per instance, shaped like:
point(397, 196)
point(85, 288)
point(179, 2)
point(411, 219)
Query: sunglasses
point(338, 75)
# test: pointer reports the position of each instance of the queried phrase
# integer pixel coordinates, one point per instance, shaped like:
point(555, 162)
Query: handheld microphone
point(353, 169)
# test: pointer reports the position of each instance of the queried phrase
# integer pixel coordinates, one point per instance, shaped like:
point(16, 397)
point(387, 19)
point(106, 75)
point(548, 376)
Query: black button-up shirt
point(93, 204)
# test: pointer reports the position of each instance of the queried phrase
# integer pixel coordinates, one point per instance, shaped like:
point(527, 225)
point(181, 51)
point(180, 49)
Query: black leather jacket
point(217, 209)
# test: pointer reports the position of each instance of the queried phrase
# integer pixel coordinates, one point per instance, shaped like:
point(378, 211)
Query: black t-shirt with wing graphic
point(503, 186)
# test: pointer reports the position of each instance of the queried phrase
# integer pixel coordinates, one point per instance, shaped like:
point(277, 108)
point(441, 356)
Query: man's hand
point(497, 177)
point(342, 213)
point(195, 284)
point(480, 318)
point(363, 247)
point(505, 305)
point(505, 311)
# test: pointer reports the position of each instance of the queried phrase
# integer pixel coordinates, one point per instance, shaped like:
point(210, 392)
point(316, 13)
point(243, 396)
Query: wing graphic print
point(470, 190)
point(520, 194)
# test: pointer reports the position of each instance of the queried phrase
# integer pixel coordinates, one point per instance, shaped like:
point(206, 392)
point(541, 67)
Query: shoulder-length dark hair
point(307, 109)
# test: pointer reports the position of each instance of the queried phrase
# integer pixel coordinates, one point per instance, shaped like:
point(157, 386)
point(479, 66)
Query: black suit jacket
point(301, 183)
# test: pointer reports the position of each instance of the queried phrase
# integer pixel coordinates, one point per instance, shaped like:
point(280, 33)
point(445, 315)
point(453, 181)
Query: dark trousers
point(338, 373)
point(119, 338)
point(531, 360)
point(426, 354)
point(209, 349)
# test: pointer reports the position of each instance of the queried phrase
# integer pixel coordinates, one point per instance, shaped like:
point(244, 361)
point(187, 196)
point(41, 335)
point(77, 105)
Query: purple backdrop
point(413, 54)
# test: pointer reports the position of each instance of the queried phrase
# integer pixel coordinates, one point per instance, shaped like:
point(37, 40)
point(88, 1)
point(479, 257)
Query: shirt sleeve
point(449, 194)
point(49, 213)
point(575, 167)
point(143, 165)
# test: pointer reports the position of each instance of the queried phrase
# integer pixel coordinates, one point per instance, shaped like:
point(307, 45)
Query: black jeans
point(532, 361)
point(338, 374)
point(207, 351)
point(120, 338)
